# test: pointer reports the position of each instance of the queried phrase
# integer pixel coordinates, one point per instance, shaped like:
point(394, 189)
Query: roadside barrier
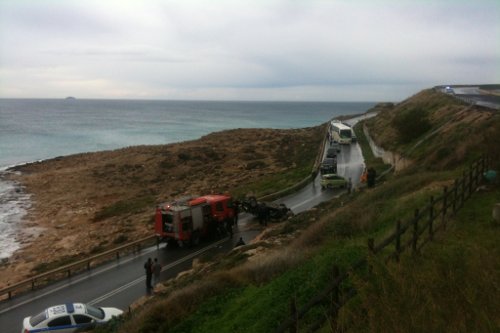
point(410, 235)
point(303, 182)
point(67, 271)
point(85, 264)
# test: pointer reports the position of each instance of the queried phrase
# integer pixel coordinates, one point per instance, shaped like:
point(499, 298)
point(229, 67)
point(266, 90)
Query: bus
point(340, 132)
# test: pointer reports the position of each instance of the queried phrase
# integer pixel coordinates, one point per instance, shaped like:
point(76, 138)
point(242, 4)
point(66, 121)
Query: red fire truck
point(186, 221)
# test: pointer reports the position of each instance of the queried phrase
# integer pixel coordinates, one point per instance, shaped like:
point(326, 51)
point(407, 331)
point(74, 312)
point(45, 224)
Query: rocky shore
point(83, 204)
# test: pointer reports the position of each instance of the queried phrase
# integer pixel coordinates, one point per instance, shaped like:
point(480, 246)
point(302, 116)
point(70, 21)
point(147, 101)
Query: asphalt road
point(474, 95)
point(121, 282)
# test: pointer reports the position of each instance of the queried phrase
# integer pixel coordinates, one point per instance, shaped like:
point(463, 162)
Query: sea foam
point(14, 204)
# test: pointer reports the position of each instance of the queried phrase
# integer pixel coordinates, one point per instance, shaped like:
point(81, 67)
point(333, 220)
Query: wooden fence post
point(371, 246)
point(294, 326)
point(455, 196)
point(445, 207)
point(431, 218)
point(415, 232)
point(335, 300)
point(470, 182)
point(371, 253)
point(398, 239)
point(464, 175)
point(475, 174)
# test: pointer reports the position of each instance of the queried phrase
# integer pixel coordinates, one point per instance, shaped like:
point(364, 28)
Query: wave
point(14, 205)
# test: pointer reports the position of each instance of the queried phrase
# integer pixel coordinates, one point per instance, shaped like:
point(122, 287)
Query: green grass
point(370, 160)
point(274, 183)
point(239, 301)
point(302, 160)
point(452, 287)
point(260, 306)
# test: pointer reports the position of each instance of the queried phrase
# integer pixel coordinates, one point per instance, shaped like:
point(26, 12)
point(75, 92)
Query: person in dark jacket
point(236, 211)
point(240, 242)
point(262, 213)
point(229, 227)
point(148, 267)
point(372, 174)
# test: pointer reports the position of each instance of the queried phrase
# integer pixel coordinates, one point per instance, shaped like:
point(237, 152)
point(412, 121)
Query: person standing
point(229, 227)
point(240, 242)
point(236, 211)
point(261, 213)
point(148, 267)
point(156, 271)
point(372, 174)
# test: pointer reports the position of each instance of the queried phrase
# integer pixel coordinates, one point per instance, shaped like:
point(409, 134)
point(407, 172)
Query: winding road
point(120, 283)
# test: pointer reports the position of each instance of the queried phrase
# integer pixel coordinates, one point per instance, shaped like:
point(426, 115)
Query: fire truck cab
point(187, 221)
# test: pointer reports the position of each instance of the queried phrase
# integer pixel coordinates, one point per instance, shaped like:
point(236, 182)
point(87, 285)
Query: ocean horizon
point(39, 129)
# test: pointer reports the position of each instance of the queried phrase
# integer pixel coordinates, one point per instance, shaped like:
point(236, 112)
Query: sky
point(272, 50)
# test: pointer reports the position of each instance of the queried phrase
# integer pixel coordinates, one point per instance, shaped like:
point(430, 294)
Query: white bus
point(340, 132)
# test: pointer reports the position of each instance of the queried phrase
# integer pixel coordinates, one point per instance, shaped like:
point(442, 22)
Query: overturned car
point(265, 210)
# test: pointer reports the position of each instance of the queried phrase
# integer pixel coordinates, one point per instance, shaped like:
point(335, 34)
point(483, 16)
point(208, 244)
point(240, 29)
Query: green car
point(332, 180)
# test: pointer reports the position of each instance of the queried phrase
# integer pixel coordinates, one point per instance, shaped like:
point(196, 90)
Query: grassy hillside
point(454, 133)
point(453, 285)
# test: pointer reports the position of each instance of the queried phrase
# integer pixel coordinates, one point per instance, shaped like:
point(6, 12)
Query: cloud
point(181, 49)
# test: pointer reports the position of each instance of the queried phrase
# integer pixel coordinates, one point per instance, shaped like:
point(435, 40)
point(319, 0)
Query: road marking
point(111, 267)
point(164, 268)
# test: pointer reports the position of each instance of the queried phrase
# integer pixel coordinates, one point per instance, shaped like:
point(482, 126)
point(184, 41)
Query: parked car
point(335, 145)
point(332, 152)
point(332, 180)
point(329, 165)
point(69, 317)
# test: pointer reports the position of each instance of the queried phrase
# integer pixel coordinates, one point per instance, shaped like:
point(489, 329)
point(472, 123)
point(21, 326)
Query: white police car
point(69, 317)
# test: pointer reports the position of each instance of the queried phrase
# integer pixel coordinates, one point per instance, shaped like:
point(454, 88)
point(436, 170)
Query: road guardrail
point(78, 266)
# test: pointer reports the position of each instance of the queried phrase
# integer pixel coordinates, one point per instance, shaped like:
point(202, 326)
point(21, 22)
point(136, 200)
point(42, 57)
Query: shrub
point(256, 165)
point(411, 124)
point(124, 207)
point(120, 239)
point(184, 156)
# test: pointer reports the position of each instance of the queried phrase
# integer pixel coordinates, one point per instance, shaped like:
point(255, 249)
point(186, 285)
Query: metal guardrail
point(34, 281)
point(303, 182)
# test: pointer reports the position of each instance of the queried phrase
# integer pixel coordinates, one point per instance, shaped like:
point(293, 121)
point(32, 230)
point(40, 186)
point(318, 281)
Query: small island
point(70, 98)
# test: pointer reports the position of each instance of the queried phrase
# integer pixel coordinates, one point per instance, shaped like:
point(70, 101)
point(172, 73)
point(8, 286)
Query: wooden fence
point(412, 235)
point(85, 264)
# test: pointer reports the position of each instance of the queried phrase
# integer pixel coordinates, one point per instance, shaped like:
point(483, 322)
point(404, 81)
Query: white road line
point(126, 286)
point(164, 268)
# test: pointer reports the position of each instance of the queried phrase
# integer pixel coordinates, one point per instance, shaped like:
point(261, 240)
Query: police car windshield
point(35, 320)
point(95, 312)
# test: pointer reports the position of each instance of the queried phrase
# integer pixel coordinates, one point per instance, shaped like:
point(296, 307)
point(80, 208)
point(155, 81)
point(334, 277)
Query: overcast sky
point(245, 50)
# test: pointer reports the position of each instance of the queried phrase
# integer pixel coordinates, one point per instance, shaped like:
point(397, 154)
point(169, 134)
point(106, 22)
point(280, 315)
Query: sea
point(38, 129)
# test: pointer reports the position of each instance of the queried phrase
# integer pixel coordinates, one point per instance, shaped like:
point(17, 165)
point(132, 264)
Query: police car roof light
point(70, 308)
